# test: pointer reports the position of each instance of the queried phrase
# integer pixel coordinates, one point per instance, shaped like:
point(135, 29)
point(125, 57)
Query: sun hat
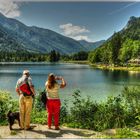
point(26, 72)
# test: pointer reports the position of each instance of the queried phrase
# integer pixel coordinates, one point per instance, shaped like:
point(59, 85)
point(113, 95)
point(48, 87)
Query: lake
point(98, 84)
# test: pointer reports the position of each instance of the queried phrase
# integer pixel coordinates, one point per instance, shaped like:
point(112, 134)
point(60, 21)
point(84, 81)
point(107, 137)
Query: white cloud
point(82, 37)
point(9, 8)
point(72, 30)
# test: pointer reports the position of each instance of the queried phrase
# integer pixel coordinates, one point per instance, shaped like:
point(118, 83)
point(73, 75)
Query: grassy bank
point(76, 62)
point(130, 67)
point(109, 67)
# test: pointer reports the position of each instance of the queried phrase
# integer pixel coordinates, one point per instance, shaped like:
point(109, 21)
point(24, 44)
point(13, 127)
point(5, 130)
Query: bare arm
point(31, 85)
point(63, 82)
point(17, 90)
point(32, 89)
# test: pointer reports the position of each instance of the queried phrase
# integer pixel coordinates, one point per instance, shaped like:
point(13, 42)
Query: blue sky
point(91, 21)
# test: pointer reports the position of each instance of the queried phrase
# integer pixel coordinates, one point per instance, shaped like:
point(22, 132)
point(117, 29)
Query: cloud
point(9, 8)
point(74, 31)
point(82, 37)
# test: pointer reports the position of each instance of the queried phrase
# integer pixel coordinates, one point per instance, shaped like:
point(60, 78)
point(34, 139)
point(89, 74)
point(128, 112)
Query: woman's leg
point(49, 108)
point(57, 105)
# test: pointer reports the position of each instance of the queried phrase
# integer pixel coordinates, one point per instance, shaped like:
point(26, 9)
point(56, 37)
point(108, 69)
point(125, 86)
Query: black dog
point(12, 116)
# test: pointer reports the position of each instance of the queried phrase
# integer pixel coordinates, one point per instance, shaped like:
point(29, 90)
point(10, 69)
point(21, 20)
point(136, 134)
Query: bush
point(39, 117)
point(82, 112)
point(116, 112)
point(126, 133)
point(6, 104)
point(131, 97)
point(110, 114)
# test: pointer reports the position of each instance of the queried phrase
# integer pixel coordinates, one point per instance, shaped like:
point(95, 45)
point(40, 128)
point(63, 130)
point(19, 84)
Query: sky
point(81, 20)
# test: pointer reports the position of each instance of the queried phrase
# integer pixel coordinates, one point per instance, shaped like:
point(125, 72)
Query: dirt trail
point(41, 131)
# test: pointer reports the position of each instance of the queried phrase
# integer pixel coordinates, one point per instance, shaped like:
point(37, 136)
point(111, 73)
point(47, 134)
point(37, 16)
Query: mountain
point(121, 47)
point(132, 29)
point(15, 36)
point(91, 45)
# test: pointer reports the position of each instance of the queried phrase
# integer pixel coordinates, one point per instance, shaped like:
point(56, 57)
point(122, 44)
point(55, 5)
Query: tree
point(115, 45)
point(82, 55)
point(54, 56)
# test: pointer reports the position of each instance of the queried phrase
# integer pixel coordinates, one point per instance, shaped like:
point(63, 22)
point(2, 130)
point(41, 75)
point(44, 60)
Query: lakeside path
point(41, 131)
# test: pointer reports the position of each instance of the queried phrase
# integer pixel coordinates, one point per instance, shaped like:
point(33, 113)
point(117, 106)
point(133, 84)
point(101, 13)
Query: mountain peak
point(133, 20)
point(1, 15)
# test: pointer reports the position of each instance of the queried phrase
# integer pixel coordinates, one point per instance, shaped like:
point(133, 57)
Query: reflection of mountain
point(15, 36)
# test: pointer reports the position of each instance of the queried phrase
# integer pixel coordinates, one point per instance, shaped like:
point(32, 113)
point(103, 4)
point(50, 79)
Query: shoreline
point(105, 67)
point(121, 68)
point(134, 68)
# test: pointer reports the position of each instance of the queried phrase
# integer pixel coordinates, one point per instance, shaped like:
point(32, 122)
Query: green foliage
point(115, 47)
point(13, 133)
point(110, 114)
point(121, 47)
point(22, 56)
point(126, 133)
point(39, 116)
point(54, 56)
point(130, 49)
point(64, 113)
point(6, 104)
point(82, 55)
point(116, 112)
point(95, 56)
point(131, 96)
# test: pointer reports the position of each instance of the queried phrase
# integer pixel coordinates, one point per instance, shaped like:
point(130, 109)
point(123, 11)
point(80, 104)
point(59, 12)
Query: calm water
point(92, 82)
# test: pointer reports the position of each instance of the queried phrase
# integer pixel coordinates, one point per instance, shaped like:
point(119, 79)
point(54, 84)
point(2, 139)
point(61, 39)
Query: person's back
point(53, 103)
point(23, 84)
point(25, 90)
point(53, 92)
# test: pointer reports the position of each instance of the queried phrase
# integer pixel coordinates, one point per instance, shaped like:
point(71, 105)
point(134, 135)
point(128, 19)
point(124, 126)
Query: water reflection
point(92, 82)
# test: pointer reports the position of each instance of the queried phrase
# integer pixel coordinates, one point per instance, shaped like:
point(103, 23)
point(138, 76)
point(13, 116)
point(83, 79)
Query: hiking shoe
point(49, 127)
point(57, 128)
point(29, 128)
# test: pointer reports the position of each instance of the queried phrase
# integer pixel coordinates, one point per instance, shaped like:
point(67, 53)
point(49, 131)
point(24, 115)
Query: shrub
point(6, 104)
point(110, 114)
point(126, 133)
point(116, 112)
point(131, 97)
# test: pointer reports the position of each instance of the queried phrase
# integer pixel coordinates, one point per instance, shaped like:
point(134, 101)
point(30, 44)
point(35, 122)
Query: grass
point(124, 68)
point(13, 133)
point(76, 62)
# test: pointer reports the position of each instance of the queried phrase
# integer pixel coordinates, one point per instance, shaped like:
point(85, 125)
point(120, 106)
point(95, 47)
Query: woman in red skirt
point(53, 103)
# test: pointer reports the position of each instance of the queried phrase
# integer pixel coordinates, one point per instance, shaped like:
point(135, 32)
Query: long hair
point(51, 81)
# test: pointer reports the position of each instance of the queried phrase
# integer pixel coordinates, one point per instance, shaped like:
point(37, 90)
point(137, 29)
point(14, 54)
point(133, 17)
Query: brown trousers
point(25, 106)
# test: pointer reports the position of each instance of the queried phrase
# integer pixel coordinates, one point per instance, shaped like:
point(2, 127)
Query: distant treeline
point(53, 56)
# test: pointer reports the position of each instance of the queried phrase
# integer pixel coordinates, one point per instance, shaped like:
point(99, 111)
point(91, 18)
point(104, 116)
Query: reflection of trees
point(115, 76)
